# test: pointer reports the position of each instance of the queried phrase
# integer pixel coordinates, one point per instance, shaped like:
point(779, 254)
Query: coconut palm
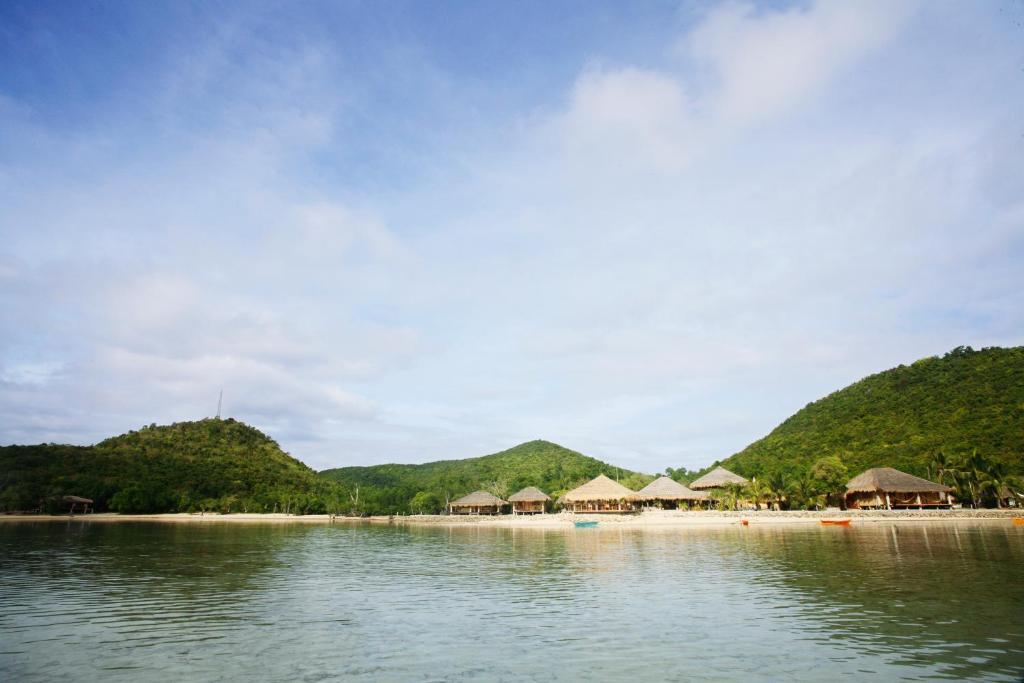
point(806, 492)
point(971, 472)
point(777, 490)
point(996, 478)
point(756, 492)
point(940, 467)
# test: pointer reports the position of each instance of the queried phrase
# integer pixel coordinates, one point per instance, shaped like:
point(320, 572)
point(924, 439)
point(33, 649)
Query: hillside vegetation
point(221, 465)
point(963, 402)
point(386, 489)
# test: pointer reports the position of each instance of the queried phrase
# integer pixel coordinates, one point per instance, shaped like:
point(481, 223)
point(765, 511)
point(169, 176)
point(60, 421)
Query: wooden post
point(888, 503)
point(918, 501)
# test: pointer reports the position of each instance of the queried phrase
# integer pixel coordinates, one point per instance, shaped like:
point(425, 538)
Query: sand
point(647, 519)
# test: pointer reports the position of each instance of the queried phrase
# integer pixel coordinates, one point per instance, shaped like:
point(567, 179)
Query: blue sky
point(412, 231)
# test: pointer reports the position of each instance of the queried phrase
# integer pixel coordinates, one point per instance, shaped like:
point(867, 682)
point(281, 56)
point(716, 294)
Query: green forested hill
point(899, 418)
point(548, 466)
point(210, 464)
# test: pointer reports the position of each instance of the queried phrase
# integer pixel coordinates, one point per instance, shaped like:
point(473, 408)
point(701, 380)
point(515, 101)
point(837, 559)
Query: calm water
point(290, 602)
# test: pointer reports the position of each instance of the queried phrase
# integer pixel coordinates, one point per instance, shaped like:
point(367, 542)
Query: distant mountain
point(964, 400)
point(209, 464)
point(548, 466)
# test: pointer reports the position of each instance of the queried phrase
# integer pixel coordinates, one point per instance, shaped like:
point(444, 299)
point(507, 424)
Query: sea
point(131, 601)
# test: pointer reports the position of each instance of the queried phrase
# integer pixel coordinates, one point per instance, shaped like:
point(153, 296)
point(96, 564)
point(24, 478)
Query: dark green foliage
point(388, 489)
point(216, 465)
point(964, 401)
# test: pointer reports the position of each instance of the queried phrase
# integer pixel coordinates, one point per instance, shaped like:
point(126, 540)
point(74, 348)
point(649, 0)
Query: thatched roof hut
point(717, 478)
point(670, 492)
point(530, 500)
point(888, 487)
point(531, 494)
point(601, 494)
point(74, 501)
point(477, 503)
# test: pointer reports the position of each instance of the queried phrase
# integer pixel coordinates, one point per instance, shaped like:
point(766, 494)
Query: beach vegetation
point(927, 419)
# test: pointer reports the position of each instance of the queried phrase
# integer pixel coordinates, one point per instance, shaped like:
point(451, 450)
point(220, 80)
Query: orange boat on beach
point(836, 522)
point(1018, 521)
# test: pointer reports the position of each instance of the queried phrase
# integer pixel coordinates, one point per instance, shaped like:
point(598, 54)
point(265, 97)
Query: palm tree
point(806, 492)
point(756, 492)
point(777, 491)
point(995, 479)
point(734, 494)
point(971, 472)
point(940, 468)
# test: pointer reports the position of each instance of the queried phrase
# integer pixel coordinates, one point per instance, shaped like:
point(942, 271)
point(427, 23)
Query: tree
point(970, 473)
point(806, 492)
point(733, 494)
point(940, 468)
point(425, 503)
point(757, 492)
point(995, 479)
point(777, 490)
point(829, 476)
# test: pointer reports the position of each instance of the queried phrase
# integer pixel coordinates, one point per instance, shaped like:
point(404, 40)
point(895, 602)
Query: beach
point(647, 519)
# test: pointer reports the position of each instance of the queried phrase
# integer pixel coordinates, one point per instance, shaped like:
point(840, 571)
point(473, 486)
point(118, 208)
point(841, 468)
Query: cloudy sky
point(406, 231)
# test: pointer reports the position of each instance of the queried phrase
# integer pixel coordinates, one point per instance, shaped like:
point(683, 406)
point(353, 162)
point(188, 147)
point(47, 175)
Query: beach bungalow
point(529, 501)
point(477, 503)
point(1010, 497)
point(669, 494)
point(601, 494)
point(885, 487)
point(74, 501)
point(717, 478)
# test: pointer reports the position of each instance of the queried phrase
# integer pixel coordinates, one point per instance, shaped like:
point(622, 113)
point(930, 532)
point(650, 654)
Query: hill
point(211, 464)
point(899, 418)
point(385, 489)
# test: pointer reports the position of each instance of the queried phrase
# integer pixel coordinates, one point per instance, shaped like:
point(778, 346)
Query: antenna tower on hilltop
point(220, 399)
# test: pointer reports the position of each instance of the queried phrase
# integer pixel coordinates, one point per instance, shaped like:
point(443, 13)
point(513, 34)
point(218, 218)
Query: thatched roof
point(76, 499)
point(531, 494)
point(601, 488)
point(716, 478)
point(892, 480)
point(478, 498)
point(664, 488)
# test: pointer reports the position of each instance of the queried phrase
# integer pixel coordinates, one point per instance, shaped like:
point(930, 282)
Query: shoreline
point(646, 520)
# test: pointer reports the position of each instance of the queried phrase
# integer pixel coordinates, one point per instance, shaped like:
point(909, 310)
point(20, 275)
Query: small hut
point(74, 501)
point(601, 494)
point(885, 487)
point(1010, 497)
point(670, 494)
point(477, 503)
point(529, 501)
point(717, 478)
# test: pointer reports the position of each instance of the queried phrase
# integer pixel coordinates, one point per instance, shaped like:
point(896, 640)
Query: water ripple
point(221, 602)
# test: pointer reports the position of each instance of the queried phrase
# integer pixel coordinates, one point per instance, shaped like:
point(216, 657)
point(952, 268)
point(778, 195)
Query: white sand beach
point(647, 519)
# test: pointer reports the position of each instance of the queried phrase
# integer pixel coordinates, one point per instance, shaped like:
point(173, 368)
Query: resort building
point(601, 494)
point(477, 503)
point(888, 488)
point(717, 478)
point(529, 501)
point(669, 494)
point(75, 501)
point(1009, 497)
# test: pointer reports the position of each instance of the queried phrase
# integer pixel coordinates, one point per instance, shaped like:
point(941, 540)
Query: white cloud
point(655, 268)
point(767, 62)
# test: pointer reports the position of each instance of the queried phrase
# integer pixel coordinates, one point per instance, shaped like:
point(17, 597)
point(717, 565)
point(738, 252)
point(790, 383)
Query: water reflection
point(148, 601)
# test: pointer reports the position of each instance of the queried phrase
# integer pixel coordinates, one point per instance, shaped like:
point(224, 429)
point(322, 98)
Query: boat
point(835, 522)
point(1018, 521)
point(745, 522)
point(585, 524)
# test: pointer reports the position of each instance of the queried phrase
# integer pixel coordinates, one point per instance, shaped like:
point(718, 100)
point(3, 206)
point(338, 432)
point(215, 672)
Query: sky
point(410, 231)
